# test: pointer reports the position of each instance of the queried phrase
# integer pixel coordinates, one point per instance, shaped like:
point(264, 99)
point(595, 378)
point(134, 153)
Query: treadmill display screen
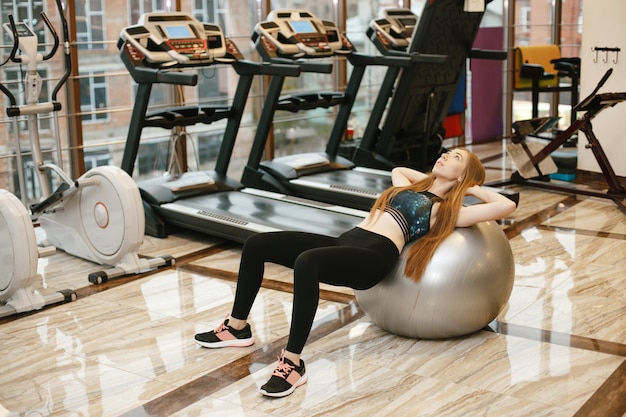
point(178, 32)
point(302, 26)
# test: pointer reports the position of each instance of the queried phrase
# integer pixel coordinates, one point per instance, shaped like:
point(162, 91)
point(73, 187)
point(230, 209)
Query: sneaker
point(285, 379)
point(224, 336)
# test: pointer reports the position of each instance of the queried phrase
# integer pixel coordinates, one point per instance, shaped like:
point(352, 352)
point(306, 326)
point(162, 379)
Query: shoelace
point(221, 327)
point(283, 369)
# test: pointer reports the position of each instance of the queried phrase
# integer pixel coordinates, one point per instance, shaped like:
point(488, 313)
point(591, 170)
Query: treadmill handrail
point(416, 57)
point(246, 67)
point(493, 54)
point(364, 60)
point(173, 77)
point(400, 59)
point(305, 65)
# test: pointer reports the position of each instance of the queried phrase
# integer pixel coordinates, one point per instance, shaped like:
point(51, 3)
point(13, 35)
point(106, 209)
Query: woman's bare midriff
point(385, 225)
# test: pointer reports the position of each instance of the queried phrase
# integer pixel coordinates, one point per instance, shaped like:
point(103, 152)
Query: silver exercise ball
point(464, 287)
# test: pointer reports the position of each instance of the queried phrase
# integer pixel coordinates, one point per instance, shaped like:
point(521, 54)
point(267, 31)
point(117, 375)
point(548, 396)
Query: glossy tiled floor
point(125, 348)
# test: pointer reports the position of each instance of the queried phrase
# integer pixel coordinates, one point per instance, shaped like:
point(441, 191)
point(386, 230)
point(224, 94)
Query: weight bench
point(540, 69)
point(532, 162)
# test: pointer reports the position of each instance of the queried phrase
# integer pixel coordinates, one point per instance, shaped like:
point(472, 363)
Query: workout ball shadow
point(464, 287)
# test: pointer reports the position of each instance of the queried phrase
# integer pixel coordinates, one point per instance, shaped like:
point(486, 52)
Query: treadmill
point(412, 132)
point(393, 31)
point(299, 38)
point(158, 50)
point(294, 36)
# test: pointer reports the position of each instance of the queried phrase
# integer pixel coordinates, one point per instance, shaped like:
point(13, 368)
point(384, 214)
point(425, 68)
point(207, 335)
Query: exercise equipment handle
point(428, 58)
point(66, 51)
point(245, 67)
point(382, 60)
point(68, 62)
point(590, 97)
point(318, 67)
point(54, 34)
point(175, 77)
point(477, 53)
point(306, 66)
point(13, 56)
point(10, 95)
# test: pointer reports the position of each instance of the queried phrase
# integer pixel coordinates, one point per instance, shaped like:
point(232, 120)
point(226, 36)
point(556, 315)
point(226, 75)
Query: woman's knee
point(263, 243)
point(254, 242)
point(316, 265)
point(306, 262)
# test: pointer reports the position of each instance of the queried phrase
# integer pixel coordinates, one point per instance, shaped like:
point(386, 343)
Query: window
point(153, 156)
point(208, 146)
point(32, 179)
point(93, 97)
point(97, 158)
point(107, 92)
point(90, 24)
point(137, 8)
point(535, 26)
point(25, 11)
point(525, 18)
point(205, 11)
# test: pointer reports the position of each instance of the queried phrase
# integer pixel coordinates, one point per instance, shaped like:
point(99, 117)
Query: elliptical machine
point(98, 217)
point(19, 254)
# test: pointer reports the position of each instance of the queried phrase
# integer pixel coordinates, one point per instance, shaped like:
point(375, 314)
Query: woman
point(419, 206)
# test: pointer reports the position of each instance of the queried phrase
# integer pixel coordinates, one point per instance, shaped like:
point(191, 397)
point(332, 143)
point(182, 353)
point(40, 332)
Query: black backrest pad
point(424, 91)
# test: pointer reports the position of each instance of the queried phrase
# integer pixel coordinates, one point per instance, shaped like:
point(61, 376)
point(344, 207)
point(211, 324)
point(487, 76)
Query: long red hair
point(421, 252)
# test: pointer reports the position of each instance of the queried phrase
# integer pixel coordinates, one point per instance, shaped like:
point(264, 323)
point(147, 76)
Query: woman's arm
point(495, 207)
point(401, 176)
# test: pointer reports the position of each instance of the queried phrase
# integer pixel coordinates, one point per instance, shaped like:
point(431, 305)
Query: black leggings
point(357, 259)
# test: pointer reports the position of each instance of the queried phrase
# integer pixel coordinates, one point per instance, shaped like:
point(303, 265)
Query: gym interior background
point(99, 96)
point(126, 348)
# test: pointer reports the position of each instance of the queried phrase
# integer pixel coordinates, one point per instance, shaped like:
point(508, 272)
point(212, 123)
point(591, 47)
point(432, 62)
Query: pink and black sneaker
point(224, 336)
point(285, 379)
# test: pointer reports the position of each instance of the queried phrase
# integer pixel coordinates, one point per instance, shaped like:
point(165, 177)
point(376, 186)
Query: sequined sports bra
point(411, 209)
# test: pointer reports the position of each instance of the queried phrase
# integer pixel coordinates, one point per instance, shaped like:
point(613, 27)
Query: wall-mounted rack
point(606, 50)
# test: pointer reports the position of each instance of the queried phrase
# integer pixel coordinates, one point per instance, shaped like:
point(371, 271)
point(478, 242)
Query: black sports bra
point(411, 209)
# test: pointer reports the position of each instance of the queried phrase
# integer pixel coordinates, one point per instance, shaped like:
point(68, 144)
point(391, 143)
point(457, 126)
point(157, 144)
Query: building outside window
point(93, 97)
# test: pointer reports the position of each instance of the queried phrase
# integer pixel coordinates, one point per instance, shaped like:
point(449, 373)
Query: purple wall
point(487, 88)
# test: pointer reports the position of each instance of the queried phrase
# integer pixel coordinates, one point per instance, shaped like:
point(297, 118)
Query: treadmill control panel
point(299, 34)
point(170, 38)
point(394, 30)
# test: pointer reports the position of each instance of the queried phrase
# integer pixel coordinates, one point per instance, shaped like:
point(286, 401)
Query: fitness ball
point(464, 287)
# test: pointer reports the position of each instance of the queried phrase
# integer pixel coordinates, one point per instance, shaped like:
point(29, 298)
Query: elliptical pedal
point(101, 277)
point(55, 197)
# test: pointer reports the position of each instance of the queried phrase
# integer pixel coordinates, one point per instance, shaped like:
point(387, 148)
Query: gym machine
point(97, 217)
point(393, 31)
point(393, 35)
point(300, 38)
point(20, 254)
point(295, 36)
point(534, 162)
point(411, 134)
point(159, 49)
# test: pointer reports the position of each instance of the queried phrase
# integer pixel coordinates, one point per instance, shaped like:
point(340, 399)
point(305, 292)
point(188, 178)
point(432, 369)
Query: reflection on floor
point(125, 348)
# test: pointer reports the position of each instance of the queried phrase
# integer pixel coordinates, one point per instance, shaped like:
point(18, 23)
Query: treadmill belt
point(351, 181)
point(236, 215)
